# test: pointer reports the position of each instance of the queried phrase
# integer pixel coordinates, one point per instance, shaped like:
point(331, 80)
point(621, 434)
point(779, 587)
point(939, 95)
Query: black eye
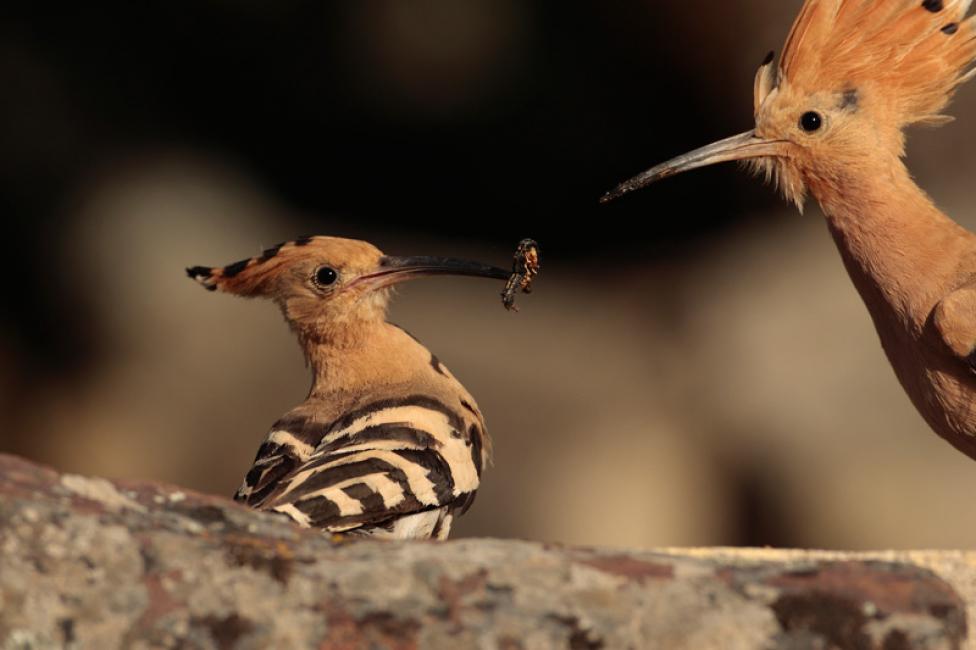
point(811, 122)
point(326, 276)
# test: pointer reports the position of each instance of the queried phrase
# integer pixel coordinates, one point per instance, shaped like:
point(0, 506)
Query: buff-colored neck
point(346, 358)
point(899, 249)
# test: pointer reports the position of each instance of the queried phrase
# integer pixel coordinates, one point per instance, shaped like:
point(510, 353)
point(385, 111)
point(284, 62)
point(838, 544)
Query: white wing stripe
point(421, 487)
point(346, 504)
point(433, 422)
point(301, 449)
point(381, 484)
point(289, 509)
point(388, 445)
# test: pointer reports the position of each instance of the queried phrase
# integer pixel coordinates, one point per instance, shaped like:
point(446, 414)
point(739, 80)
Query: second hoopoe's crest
point(388, 442)
point(852, 75)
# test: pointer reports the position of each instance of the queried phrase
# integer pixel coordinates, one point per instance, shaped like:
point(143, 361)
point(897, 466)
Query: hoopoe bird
point(829, 120)
point(388, 443)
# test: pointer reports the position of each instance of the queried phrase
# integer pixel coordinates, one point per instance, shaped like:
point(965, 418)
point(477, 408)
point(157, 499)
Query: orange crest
point(908, 55)
point(258, 275)
point(250, 276)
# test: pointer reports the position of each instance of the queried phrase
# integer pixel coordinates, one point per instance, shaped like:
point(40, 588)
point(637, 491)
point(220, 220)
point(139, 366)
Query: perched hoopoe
point(388, 443)
point(830, 120)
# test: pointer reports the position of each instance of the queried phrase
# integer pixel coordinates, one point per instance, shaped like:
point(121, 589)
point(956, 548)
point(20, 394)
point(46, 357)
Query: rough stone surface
point(88, 563)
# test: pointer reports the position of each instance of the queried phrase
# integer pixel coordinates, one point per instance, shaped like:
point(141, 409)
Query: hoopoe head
point(329, 284)
point(853, 75)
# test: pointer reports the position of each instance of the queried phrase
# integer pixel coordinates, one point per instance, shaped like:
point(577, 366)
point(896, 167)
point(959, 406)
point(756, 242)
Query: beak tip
point(612, 195)
point(738, 147)
point(635, 183)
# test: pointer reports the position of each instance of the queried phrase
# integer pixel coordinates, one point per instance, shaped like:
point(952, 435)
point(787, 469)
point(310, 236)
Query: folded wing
point(372, 469)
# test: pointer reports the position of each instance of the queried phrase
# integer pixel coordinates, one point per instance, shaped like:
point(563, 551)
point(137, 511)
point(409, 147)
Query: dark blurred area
point(694, 369)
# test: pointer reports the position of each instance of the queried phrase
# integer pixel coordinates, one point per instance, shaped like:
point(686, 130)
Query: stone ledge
point(89, 563)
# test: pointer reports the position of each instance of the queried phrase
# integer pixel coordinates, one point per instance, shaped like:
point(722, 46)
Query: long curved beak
point(399, 269)
point(738, 147)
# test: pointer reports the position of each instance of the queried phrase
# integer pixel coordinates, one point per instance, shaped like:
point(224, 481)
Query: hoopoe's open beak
point(399, 269)
point(738, 147)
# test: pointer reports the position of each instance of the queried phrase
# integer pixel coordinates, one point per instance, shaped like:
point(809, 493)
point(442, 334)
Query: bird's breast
point(941, 387)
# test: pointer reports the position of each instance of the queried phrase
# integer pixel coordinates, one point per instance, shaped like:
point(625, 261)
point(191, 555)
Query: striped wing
point(384, 461)
point(279, 456)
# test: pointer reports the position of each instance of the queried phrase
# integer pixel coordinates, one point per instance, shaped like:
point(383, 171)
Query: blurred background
point(694, 368)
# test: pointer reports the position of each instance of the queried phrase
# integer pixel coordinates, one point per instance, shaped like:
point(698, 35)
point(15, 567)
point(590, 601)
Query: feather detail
point(764, 84)
point(252, 276)
point(773, 173)
point(911, 54)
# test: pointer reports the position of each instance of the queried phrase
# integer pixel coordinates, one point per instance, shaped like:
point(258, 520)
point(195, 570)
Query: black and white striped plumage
point(388, 443)
point(393, 468)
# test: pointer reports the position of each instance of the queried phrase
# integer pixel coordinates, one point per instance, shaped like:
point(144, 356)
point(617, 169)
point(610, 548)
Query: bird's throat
point(350, 358)
point(897, 246)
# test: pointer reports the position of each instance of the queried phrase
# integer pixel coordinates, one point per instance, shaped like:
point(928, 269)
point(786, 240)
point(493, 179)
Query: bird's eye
point(811, 122)
point(326, 276)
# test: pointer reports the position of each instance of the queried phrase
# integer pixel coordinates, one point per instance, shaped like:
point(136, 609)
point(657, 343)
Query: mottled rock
point(89, 563)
